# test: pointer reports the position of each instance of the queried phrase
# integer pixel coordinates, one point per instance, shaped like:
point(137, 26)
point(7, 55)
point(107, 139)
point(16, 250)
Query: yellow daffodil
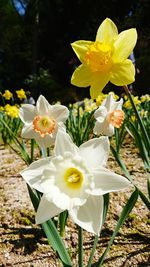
point(105, 59)
point(21, 94)
point(145, 98)
point(1, 108)
point(12, 111)
point(7, 95)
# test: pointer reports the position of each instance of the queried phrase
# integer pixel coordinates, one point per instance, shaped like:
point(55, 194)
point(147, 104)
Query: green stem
point(80, 246)
point(93, 251)
point(138, 116)
point(32, 149)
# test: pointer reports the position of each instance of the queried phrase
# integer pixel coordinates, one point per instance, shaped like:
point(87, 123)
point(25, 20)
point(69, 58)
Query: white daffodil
point(74, 179)
point(108, 116)
point(42, 121)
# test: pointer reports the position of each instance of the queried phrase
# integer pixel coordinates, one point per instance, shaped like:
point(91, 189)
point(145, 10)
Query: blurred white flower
point(42, 121)
point(108, 116)
point(74, 179)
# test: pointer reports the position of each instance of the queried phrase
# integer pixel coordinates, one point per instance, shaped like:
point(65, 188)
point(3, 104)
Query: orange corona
point(44, 125)
point(116, 118)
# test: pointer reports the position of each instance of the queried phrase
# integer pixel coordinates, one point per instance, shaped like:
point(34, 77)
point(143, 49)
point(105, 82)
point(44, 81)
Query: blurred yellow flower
point(89, 105)
point(127, 104)
point(136, 100)
point(133, 118)
point(21, 94)
point(7, 95)
point(145, 98)
point(12, 111)
point(1, 108)
point(105, 59)
point(144, 113)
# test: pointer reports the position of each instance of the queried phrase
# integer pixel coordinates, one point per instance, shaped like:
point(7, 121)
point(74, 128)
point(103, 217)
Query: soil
point(23, 243)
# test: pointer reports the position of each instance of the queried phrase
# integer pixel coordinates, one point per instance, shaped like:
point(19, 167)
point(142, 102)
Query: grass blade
point(125, 212)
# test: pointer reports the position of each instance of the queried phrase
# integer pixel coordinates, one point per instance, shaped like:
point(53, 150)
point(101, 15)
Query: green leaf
point(56, 242)
point(121, 163)
point(125, 212)
point(51, 232)
point(62, 221)
point(148, 187)
point(144, 199)
point(106, 203)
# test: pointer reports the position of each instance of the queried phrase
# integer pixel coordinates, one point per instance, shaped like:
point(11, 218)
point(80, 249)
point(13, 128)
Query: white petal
point(59, 113)
point(100, 114)
point(95, 151)
point(33, 175)
point(64, 144)
point(46, 210)
point(28, 131)
point(89, 216)
point(107, 181)
point(118, 104)
point(27, 113)
point(46, 141)
point(108, 102)
point(42, 106)
point(103, 128)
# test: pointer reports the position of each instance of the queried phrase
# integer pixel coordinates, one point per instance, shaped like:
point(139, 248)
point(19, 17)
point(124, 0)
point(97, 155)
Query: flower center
point(98, 57)
point(116, 118)
point(44, 125)
point(73, 177)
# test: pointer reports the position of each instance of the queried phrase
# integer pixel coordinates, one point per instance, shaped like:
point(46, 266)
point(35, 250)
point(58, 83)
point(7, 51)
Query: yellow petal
point(124, 45)
point(98, 83)
point(80, 48)
point(123, 73)
point(107, 32)
point(81, 76)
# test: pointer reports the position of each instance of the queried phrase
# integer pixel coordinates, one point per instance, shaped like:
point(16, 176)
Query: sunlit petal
point(89, 216)
point(42, 105)
point(123, 73)
point(64, 144)
point(80, 48)
point(27, 113)
point(95, 151)
point(107, 181)
point(46, 210)
point(59, 113)
point(107, 32)
point(81, 76)
point(98, 83)
point(27, 131)
point(100, 113)
point(124, 45)
point(33, 175)
point(103, 128)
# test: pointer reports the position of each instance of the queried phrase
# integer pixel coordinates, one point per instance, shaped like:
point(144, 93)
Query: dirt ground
point(23, 243)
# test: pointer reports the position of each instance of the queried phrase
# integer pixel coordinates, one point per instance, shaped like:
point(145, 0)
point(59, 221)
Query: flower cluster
point(73, 178)
point(11, 111)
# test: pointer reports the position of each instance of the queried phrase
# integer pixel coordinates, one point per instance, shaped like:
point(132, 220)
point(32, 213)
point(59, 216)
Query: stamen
point(73, 177)
point(44, 125)
point(116, 118)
